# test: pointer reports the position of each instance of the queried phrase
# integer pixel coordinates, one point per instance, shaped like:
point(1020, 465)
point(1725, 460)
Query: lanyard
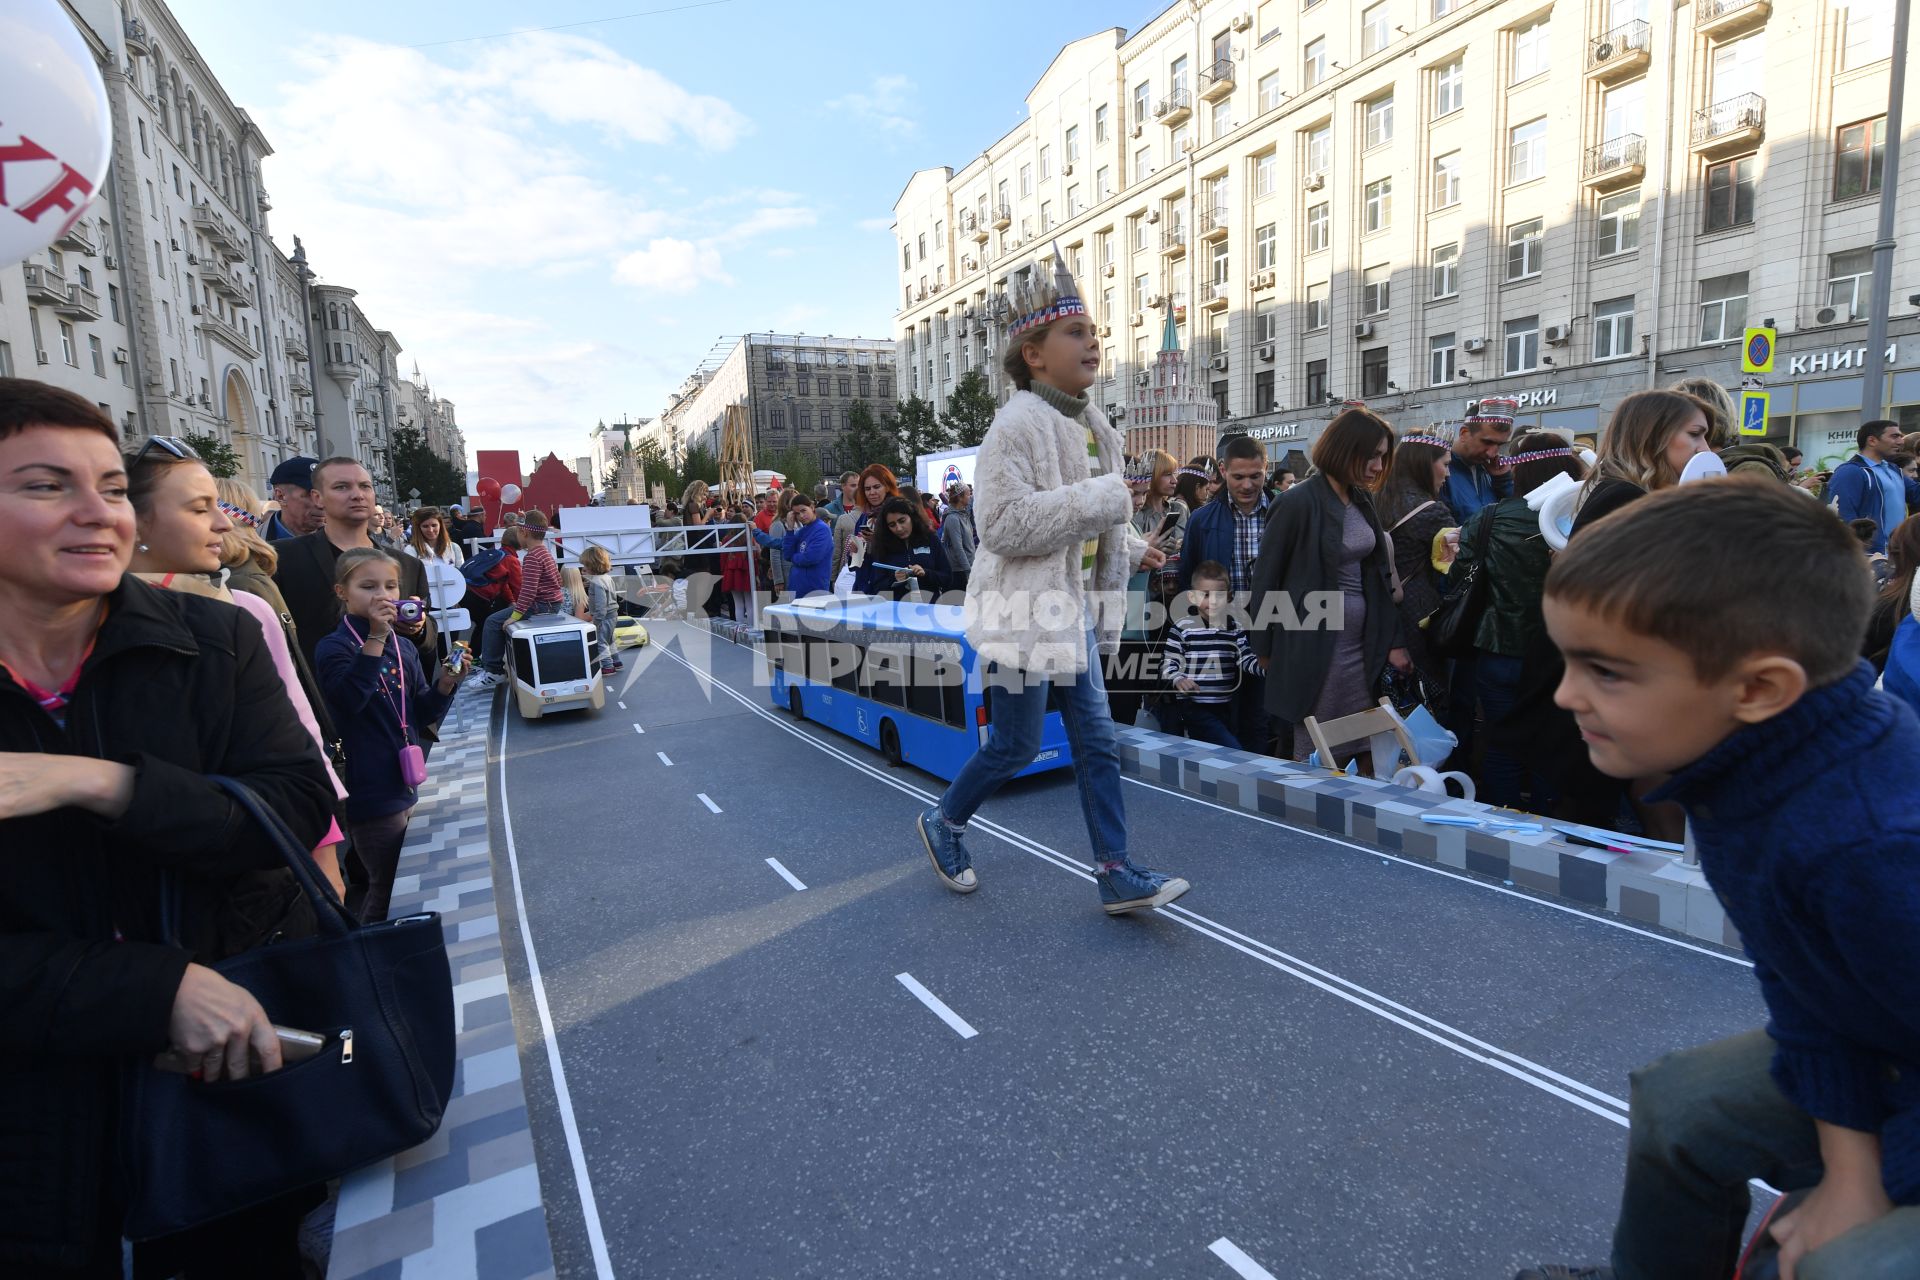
point(400, 672)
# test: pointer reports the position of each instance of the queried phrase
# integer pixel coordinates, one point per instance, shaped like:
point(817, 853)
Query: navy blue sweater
point(365, 718)
point(1809, 832)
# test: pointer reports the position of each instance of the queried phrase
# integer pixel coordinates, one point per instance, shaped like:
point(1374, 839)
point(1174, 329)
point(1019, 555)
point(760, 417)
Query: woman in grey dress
point(1324, 538)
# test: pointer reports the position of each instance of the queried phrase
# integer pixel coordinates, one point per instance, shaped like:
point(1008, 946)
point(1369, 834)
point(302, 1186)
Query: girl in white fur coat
point(1048, 591)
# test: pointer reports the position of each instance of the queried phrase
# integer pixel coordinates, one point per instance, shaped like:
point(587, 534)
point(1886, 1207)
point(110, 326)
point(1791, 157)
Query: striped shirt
point(539, 578)
point(1212, 657)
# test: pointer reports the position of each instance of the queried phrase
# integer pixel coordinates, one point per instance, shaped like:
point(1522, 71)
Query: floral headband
point(240, 515)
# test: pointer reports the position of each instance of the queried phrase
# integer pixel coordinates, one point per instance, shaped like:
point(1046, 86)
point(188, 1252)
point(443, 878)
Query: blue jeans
point(493, 638)
point(1019, 713)
point(1203, 723)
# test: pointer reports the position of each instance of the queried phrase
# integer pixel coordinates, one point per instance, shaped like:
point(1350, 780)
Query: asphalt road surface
point(786, 1050)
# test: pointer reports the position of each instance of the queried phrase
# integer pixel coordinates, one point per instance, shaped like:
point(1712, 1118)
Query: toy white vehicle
point(553, 662)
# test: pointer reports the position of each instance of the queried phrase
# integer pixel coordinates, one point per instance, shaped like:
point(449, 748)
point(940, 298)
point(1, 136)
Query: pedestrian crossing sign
point(1753, 413)
point(1756, 351)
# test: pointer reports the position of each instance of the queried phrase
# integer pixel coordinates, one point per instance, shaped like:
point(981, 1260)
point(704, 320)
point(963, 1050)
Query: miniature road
point(788, 1051)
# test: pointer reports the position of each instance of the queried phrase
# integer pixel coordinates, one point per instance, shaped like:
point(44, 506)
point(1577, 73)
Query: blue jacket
point(1210, 537)
point(1816, 856)
point(809, 552)
point(1857, 493)
point(873, 580)
point(1902, 678)
point(1470, 486)
point(366, 720)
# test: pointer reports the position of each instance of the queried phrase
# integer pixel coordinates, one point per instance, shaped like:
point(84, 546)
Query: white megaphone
point(1703, 466)
point(1555, 502)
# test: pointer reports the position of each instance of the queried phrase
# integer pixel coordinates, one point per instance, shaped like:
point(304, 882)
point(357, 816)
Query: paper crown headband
point(239, 515)
point(1034, 298)
point(1493, 409)
point(1423, 438)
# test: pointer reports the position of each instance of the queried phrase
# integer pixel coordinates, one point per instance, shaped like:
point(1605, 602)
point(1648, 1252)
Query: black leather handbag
point(381, 995)
point(1451, 631)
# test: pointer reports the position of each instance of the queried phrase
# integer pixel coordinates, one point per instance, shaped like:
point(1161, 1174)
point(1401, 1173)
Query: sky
point(560, 225)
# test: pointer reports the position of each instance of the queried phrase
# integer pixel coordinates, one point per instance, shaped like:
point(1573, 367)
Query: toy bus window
point(953, 696)
point(814, 663)
point(845, 658)
point(923, 695)
point(562, 656)
point(885, 675)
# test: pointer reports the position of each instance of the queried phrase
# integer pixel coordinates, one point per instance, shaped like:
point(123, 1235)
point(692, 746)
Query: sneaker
point(1560, 1271)
point(490, 680)
point(944, 850)
point(1130, 888)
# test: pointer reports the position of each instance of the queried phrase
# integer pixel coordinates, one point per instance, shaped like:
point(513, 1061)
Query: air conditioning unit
point(1601, 52)
point(1143, 379)
point(1066, 171)
point(1110, 269)
point(1461, 375)
point(205, 403)
point(1139, 318)
point(175, 244)
point(1825, 315)
point(112, 262)
point(1264, 351)
point(1242, 21)
point(120, 355)
point(1364, 329)
point(196, 308)
point(1219, 363)
point(1139, 130)
point(1263, 279)
point(1106, 331)
point(1156, 302)
point(1159, 109)
point(1558, 334)
point(968, 262)
point(1153, 215)
point(42, 357)
point(193, 259)
point(1474, 346)
point(1315, 181)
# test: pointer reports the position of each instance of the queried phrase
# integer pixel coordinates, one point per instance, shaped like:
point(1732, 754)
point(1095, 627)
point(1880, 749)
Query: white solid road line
point(934, 1003)
point(663, 759)
point(785, 874)
point(709, 803)
point(1234, 1256)
point(1433, 1030)
point(638, 729)
point(563, 1098)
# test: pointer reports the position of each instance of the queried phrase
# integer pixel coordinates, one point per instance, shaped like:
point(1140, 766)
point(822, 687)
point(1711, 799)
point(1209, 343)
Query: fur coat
point(1035, 503)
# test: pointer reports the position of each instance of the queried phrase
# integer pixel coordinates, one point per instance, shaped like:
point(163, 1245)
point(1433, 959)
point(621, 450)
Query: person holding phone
point(904, 557)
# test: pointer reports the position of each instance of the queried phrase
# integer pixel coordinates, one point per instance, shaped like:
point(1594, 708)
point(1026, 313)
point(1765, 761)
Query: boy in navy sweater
point(1205, 657)
point(1712, 633)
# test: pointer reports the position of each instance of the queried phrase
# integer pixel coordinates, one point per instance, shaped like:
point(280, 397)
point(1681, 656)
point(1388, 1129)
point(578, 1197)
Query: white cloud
point(884, 106)
point(876, 224)
point(672, 266)
point(576, 80)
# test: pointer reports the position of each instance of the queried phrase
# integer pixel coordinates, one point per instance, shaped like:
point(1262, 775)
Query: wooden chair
point(1380, 727)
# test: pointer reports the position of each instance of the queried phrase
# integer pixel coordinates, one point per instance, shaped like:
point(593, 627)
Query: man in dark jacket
point(1227, 530)
point(1477, 477)
point(957, 534)
point(292, 487)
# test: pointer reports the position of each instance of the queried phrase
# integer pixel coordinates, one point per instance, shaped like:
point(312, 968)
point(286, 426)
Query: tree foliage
point(866, 442)
point(970, 410)
point(800, 466)
point(415, 466)
point(918, 430)
point(699, 464)
point(216, 453)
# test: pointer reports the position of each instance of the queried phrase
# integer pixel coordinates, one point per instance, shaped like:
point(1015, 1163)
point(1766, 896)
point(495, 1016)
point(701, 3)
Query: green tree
point(919, 431)
point(866, 442)
point(651, 462)
point(700, 464)
point(970, 410)
point(415, 466)
point(800, 466)
point(216, 453)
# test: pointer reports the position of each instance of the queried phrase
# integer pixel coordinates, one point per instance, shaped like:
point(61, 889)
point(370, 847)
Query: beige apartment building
point(1419, 202)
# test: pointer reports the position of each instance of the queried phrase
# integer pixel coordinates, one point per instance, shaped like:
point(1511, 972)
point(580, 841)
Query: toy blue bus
point(897, 675)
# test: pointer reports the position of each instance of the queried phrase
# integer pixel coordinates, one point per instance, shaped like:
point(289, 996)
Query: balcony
point(1622, 52)
point(1729, 126)
point(222, 280)
point(1213, 296)
point(1617, 162)
point(234, 337)
point(1216, 82)
point(1213, 224)
point(134, 36)
point(78, 238)
point(296, 345)
point(302, 420)
point(1175, 109)
point(44, 284)
point(1718, 19)
point(1174, 243)
point(1002, 217)
point(219, 231)
point(299, 383)
point(81, 303)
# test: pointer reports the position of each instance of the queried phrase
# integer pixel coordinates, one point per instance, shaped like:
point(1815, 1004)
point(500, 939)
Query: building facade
point(797, 392)
point(1169, 406)
point(1418, 202)
point(416, 408)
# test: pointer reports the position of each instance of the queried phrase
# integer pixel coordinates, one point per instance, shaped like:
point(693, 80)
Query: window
point(1860, 155)
point(1375, 31)
point(801, 384)
point(1139, 233)
point(1178, 74)
point(1266, 242)
point(1317, 317)
point(777, 420)
point(1619, 223)
point(1263, 401)
point(1316, 382)
point(1622, 111)
point(1219, 274)
point(1867, 33)
point(1442, 357)
point(846, 385)
point(1319, 226)
point(1441, 8)
point(1443, 268)
point(1730, 194)
point(1613, 329)
point(1376, 285)
point(1849, 280)
point(1026, 179)
point(1529, 51)
point(1373, 371)
point(1046, 215)
point(1142, 98)
point(1046, 163)
point(923, 246)
point(1182, 140)
point(940, 235)
point(1142, 163)
point(1269, 90)
point(1100, 123)
point(1266, 322)
point(1723, 308)
point(67, 349)
point(113, 302)
point(1141, 285)
point(1073, 143)
point(1223, 117)
point(1073, 201)
point(1377, 208)
point(1106, 306)
point(1102, 182)
point(1266, 170)
point(6, 361)
point(176, 181)
point(1379, 122)
point(99, 357)
point(1449, 88)
point(906, 257)
point(1320, 149)
point(1006, 201)
point(1523, 248)
point(1314, 63)
point(143, 138)
point(1527, 151)
point(1446, 180)
point(1523, 344)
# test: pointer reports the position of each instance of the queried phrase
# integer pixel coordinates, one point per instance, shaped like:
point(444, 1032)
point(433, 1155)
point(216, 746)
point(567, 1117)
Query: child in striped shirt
point(1205, 656)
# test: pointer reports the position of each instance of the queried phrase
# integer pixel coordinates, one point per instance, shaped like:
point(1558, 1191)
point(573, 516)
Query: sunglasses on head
point(173, 445)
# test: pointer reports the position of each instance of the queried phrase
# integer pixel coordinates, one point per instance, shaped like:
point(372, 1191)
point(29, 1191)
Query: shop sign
point(1544, 398)
point(1837, 359)
point(1278, 431)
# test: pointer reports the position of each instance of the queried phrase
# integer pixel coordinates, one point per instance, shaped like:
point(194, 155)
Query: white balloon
point(56, 136)
point(509, 493)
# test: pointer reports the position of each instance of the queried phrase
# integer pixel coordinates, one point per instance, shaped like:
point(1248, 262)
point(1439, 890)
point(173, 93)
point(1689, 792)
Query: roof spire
point(1170, 337)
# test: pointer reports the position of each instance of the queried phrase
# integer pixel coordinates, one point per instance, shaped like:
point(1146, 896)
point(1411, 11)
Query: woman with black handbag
point(117, 701)
point(1413, 513)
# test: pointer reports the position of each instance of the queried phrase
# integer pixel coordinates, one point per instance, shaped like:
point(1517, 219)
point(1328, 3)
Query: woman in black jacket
point(1323, 538)
point(116, 702)
point(1413, 513)
point(903, 556)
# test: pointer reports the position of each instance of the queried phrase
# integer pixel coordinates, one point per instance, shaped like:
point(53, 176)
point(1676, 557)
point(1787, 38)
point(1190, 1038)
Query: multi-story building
point(1418, 202)
point(797, 392)
point(416, 407)
point(355, 397)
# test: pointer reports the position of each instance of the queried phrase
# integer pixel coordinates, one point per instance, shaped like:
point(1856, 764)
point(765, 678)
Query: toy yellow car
point(628, 633)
